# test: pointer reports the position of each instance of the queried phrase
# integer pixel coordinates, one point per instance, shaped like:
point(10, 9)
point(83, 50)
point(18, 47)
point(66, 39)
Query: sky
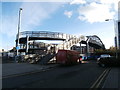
point(76, 17)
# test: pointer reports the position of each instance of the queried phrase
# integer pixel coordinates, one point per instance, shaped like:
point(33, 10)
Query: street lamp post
point(19, 20)
point(115, 36)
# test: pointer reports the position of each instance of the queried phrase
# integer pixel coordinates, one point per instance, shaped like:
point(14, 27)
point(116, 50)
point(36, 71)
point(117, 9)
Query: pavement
point(11, 69)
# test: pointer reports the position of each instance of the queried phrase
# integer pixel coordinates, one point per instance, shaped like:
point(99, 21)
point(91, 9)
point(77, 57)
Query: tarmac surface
point(113, 78)
point(10, 69)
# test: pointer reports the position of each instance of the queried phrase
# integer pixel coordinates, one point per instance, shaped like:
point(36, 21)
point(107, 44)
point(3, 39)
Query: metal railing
point(69, 43)
point(46, 34)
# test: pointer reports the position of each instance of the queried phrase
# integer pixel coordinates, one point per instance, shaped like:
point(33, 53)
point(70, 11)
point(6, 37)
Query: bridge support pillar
point(87, 47)
point(80, 48)
point(63, 45)
point(27, 46)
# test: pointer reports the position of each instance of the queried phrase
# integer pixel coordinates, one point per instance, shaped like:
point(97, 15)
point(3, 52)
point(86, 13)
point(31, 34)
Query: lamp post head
point(107, 20)
point(20, 8)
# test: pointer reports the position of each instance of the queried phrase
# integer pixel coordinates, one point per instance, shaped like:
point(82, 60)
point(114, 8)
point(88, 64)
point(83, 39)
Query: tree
point(13, 49)
point(112, 48)
point(2, 50)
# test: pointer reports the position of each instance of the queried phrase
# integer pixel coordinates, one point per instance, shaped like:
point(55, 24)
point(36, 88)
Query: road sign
point(17, 48)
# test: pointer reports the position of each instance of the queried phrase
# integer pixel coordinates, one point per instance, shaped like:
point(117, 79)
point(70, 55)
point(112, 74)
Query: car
point(104, 56)
point(101, 61)
point(107, 60)
point(92, 57)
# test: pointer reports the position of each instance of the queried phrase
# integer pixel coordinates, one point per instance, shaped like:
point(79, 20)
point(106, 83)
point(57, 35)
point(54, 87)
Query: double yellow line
point(98, 82)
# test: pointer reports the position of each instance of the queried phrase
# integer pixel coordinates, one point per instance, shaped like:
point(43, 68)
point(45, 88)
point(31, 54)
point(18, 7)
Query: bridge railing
point(45, 34)
point(69, 43)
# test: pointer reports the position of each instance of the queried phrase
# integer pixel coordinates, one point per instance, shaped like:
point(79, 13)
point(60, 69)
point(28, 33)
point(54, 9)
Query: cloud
point(119, 10)
point(78, 2)
point(68, 13)
point(111, 2)
point(36, 1)
point(35, 13)
point(95, 12)
point(32, 16)
point(9, 26)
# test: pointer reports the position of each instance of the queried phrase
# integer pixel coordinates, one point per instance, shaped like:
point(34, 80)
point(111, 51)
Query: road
point(77, 76)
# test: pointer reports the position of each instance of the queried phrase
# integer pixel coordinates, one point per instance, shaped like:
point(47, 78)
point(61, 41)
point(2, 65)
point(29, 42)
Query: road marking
point(97, 83)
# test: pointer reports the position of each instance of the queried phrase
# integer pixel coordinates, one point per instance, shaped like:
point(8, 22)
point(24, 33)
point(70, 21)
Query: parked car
point(92, 57)
point(107, 60)
point(104, 56)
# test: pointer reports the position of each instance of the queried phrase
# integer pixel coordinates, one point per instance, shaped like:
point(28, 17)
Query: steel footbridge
point(28, 42)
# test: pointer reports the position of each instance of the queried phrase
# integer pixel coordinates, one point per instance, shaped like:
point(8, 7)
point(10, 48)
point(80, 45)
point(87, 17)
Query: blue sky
point(77, 17)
